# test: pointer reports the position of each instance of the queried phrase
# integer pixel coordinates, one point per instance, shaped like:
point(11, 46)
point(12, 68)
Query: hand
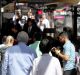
point(56, 50)
point(53, 49)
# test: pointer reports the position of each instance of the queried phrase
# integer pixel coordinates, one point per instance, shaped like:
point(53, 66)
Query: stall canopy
point(64, 1)
point(10, 6)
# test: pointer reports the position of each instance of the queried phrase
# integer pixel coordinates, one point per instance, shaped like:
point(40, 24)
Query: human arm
point(62, 55)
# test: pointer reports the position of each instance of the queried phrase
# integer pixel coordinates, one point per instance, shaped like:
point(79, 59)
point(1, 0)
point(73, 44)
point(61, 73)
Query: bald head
point(22, 37)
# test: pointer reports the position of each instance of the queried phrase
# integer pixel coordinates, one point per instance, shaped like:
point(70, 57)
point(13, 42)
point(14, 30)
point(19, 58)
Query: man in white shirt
point(46, 64)
point(40, 24)
point(45, 21)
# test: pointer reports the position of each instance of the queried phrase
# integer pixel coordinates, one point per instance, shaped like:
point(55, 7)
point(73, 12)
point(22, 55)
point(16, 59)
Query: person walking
point(46, 64)
point(18, 59)
point(68, 54)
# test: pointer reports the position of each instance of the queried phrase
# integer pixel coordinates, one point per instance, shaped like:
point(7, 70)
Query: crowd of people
point(30, 51)
point(30, 24)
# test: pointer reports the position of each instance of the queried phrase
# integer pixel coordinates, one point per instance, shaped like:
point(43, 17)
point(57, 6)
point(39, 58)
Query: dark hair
point(45, 45)
point(4, 39)
point(64, 34)
point(37, 36)
point(29, 19)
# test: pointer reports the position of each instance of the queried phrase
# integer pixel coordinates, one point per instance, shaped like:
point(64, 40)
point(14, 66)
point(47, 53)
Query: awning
point(9, 7)
point(62, 1)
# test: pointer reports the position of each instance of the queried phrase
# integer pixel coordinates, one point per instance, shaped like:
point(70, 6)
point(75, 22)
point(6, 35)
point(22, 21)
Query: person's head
point(29, 22)
point(4, 39)
point(41, 19)
point(22, 37)
point(9, 40)
point(63, 36)
point(44, 16)
point(45, 45)
point(29, 14)
point(17, 15)
point(33, 17)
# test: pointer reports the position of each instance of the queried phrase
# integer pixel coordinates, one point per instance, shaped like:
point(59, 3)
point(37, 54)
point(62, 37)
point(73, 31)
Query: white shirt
point(46, 65)
point(22, 21)
point(2, 45)
point(46, 23)
point(41, 26)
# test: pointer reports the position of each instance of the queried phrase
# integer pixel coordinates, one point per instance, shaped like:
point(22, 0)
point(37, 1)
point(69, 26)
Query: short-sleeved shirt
point(46, 65)
point(69, 49)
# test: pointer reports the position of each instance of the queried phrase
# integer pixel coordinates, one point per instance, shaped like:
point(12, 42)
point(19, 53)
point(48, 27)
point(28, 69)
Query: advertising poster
point(78, 26)
point(59, 19)
point(78, 21)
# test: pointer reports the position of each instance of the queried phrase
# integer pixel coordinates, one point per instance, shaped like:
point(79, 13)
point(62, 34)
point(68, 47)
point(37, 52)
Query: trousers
point(70, 72)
